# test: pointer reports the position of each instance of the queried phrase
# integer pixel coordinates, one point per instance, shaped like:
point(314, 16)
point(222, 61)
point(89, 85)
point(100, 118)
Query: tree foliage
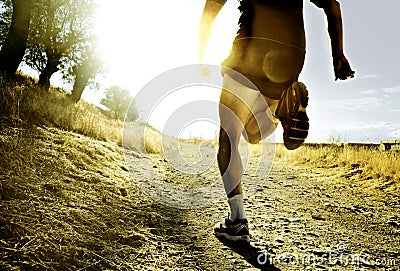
point(58, 27)
point(60, 38)
point(84, 66)
point(5, 19)
point(118, 101)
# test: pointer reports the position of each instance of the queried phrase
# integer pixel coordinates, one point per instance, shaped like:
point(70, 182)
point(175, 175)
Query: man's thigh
point(239, 106)
point(262, 122)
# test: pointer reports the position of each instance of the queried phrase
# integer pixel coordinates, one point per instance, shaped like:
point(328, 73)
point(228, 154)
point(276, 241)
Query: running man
point(261, 88)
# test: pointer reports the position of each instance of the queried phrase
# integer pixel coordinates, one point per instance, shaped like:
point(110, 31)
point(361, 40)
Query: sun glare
point(142, 39)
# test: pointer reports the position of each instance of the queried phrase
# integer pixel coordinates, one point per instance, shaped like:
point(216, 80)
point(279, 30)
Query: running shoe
point(237, 230)
point(291, 111)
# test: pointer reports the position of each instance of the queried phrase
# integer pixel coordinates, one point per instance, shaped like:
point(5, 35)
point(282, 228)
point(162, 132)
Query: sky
point(142, 39)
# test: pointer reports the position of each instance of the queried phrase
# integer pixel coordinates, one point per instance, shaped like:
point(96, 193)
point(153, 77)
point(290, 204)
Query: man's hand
point(342, 68)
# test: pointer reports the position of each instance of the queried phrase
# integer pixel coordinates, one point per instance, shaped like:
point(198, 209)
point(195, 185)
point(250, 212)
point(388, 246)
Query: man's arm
point(335, 28)
point(210, 12)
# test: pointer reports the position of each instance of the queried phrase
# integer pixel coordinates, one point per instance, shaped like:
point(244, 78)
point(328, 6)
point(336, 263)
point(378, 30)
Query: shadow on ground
point(253, 255)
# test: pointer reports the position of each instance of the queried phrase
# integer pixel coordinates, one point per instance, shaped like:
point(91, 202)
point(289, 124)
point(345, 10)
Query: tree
point(336, 137)
point(5, 19)
point(117, 100)
point(83, 68)
point(132, 114)
point(14, 45)
point(57, 26)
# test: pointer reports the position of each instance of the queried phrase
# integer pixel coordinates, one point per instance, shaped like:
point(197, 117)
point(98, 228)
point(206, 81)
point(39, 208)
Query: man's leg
point(229, 161)
point(239, 106)
point(263, 122)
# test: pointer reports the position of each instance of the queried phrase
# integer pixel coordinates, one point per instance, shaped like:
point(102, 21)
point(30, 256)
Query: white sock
point(236, 206)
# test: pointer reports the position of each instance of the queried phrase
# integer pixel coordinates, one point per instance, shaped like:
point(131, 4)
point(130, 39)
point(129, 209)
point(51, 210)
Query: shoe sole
point(233, 238)
point(292, 142)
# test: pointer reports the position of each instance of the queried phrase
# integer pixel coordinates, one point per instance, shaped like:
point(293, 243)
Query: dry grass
point(375, 168)
point(55, 109)
point(22, 102)
point(144, 138)
point(67, 202)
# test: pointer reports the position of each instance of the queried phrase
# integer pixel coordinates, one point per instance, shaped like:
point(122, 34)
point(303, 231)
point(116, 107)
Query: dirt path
point(300, 219)
point(68, 202)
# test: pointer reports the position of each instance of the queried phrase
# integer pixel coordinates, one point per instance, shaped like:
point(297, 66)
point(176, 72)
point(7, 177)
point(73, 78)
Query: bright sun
point(142, 39)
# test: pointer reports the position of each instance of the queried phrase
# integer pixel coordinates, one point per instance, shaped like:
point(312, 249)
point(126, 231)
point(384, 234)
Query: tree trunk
point(48, 71)
point(83, 74)
point(80, 83)
point(14, 46)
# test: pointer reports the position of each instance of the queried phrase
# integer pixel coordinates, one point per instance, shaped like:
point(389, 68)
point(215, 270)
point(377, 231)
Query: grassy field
point(65, 203)
point(64, 187)
point(67, 200)
point(377, 169)
point(367, 164)
point(22, 104)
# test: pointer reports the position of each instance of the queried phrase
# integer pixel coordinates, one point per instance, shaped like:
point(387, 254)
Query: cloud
point(381, 130)
point(326, 115)
point(391, 90)
point(360, 103)
point(377, 125)
point(369, 91)
point(369, 76)
point(395, 134)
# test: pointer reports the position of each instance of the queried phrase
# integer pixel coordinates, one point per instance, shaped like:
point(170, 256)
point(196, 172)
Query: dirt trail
point(68, 202)
point(300, 219)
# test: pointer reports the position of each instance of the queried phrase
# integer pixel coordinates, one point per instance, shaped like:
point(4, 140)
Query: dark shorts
point(271, 59)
